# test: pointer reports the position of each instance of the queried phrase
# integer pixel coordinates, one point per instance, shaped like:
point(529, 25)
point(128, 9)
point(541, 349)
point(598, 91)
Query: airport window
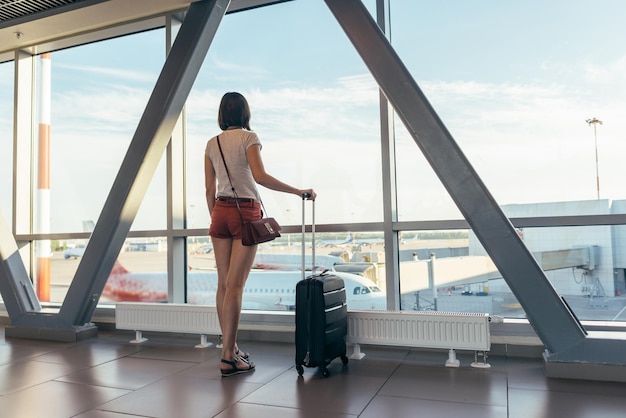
point(6, 138)
point(97, 94)
point(521, 96)
point(320, 84)
point(584, 264)
point(544, 105)
point(139, 273)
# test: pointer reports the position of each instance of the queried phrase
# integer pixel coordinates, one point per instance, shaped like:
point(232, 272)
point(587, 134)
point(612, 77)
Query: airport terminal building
point(470, 195)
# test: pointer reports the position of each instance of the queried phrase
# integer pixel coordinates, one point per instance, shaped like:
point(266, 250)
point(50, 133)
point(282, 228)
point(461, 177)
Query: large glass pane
point(451, 271)
point(585, 264)
point(98, 94)
point(88, 103)
point(271, 285)
point(6, 138)
point(314, 106)
point(517, 98)
point(139, 273)
point(315, 109)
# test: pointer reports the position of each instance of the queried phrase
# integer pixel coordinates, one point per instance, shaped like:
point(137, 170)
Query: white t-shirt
point(235, 144)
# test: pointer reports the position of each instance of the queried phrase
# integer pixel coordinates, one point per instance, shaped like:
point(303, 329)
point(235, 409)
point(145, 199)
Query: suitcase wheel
point(325, 372)
point(344, 359)
point(300, 369)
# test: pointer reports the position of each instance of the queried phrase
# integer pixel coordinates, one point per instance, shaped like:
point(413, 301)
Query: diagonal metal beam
point(553, 321)
point(142, 158)
point(17, 290)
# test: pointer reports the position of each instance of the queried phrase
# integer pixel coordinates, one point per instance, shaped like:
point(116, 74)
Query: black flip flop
point(234, 369)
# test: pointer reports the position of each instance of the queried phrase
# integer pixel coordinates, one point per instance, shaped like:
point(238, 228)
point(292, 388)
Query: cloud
point(114, 109)
point(224, 70)
point(112, 72)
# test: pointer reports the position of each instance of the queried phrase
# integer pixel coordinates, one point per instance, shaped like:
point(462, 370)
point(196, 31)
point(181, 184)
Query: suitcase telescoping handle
point(305, 196)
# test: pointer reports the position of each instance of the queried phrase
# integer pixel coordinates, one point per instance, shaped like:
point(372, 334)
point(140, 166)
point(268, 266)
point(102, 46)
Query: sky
point(514, 83)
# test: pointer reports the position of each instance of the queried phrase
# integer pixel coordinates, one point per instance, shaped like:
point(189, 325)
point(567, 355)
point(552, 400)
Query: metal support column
point(176, 193)
point(17, 290)
point(388, 163)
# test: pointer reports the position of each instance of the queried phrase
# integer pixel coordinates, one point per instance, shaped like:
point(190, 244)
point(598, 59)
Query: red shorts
point(225, 220)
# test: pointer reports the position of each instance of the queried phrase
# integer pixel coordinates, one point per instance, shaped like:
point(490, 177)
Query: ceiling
point(10, 10)
point(38, 26)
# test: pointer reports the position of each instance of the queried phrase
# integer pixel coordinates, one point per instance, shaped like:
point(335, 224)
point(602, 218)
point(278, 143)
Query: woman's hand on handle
point(308, 194)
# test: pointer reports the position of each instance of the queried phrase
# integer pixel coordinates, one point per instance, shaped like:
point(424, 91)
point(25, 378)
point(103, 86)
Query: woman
point(241, 150)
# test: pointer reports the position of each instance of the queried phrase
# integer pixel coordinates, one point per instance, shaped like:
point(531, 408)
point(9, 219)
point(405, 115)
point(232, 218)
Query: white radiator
point(425, 329)
point(167, 317)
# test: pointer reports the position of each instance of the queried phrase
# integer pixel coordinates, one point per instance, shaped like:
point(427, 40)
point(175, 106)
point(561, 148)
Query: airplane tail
point(118, 268)
point(123, 285)
point(88, 226)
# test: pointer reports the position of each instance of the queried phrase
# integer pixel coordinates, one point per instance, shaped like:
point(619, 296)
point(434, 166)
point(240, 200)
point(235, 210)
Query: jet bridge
point(584, 257)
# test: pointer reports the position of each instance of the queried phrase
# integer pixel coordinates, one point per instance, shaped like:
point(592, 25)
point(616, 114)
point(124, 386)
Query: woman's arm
point(210, 183)
point(264, 179)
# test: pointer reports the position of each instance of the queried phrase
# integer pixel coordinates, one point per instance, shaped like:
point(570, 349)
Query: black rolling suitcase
point(321, 314)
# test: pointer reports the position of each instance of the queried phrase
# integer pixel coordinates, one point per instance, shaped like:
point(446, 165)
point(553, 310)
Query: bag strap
point(231, 182)
point(229, 179)
point(225, 166)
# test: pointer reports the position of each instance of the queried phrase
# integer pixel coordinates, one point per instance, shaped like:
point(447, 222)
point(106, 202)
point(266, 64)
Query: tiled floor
point(107, 377)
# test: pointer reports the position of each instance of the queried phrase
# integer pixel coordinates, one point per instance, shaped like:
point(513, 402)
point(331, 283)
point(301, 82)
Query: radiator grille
point(167, 317)
point(447, 330)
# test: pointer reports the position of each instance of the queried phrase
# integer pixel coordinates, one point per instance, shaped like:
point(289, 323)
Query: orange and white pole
point(43, 248)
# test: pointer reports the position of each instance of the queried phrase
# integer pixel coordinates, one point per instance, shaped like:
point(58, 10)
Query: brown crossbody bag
point(252, 232)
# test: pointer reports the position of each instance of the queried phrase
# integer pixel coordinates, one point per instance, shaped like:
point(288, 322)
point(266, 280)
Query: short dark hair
point(234, 111)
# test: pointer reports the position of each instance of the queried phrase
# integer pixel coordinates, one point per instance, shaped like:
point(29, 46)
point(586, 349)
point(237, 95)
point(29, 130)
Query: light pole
point(594, 122)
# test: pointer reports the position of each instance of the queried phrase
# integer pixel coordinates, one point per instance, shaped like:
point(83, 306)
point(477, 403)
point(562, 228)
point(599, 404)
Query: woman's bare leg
point(231, 282)
point(222, 251)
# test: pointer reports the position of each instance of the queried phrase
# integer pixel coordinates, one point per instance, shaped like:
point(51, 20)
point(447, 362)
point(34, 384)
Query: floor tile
point(182, 396)
point(534, 378)
point(178, 353)
point(392, 406)
point(95, 413)
point(126, 373)
point(464, 385)
point(55, 399)
point(548, 404)
point(242, 409)
point(343, 392)
point(12, 352)
point(88, 353)
point(26, 373)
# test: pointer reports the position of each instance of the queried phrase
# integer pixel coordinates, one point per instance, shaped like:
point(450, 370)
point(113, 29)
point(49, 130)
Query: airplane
point(273, 287)
point(264, 290)
point(74, 252)
point(78, 250)
point(349, 241)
